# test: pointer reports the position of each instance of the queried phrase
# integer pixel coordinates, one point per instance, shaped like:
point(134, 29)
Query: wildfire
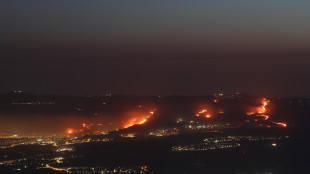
point(139, 120)
point(85, 128)
point(201, 112)
point(282, 124)
point(204, 113)
point(262, 109)
point(70, 131)
point(266, 117)
point(143, 121)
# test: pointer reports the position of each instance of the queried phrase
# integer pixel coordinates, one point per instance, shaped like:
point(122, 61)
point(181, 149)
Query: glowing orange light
point(266, 117)
point(143, 121)
point(250, 113)
point(136, 121)
point(282, 124)
point(208, 116)
point(261, 109)
point(203, 113)
point(70, 131)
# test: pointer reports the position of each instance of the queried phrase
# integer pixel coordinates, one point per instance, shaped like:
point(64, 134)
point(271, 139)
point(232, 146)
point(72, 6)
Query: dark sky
point(159, 47)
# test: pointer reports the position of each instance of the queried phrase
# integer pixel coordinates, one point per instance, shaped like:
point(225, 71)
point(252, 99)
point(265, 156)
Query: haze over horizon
point(156, 48)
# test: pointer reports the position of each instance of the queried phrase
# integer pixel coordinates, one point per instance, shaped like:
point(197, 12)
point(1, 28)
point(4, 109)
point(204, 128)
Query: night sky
point(158, 47)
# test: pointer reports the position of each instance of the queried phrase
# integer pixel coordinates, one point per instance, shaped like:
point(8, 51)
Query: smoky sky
point(156, 47)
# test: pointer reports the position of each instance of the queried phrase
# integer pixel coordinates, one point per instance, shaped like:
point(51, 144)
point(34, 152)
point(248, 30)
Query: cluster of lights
point(214, 143)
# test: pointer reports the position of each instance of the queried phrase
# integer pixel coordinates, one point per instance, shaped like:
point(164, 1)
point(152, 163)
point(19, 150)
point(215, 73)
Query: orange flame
point(135, 121)
point(262, 109)
point(282, 124)
point(204, 113)
point(70, 131)
point(266, 117)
